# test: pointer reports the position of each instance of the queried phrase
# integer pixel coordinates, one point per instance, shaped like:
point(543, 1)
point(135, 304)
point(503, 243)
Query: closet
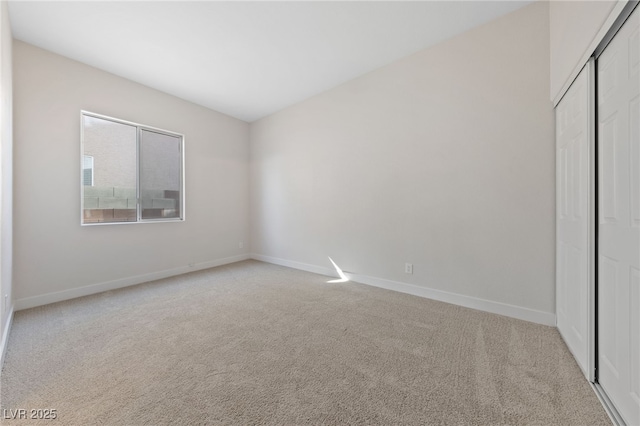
point(598, 219)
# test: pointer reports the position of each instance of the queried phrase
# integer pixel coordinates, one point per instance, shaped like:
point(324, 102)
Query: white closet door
point(574, 221)
point(619, 220)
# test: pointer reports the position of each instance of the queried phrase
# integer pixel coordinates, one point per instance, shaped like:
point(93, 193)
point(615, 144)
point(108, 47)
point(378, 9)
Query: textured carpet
point(253, 343)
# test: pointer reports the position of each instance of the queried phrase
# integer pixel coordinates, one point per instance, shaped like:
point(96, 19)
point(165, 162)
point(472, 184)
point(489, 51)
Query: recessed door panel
point(634, 332)
point(607, 154)
point(634, 159)
point(608, 308)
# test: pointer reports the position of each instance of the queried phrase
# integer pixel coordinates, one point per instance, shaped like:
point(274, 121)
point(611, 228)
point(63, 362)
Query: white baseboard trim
point(5, 338)
point(526, 314)
point(499, 308)
point(59, 296)
point(330, 272)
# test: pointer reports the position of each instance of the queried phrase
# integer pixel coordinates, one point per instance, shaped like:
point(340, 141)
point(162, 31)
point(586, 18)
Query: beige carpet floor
point(254, 343)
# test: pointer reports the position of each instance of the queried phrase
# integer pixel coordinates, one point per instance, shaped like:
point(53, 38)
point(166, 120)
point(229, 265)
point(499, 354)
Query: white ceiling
point(245, 59)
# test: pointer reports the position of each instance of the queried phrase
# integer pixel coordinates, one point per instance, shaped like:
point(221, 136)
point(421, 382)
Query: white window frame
point(139, 129)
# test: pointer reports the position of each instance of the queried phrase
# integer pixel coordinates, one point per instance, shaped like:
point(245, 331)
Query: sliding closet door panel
point(619, 220)
point(574, 156)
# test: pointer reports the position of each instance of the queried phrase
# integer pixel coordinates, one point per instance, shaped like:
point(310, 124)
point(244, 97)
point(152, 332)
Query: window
point(130, 172)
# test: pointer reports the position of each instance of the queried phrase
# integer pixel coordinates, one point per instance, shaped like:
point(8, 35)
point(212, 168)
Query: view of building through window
point(87, 170)
point(129, 172)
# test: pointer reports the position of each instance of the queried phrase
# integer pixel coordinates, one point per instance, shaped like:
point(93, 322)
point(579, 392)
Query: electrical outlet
point(240, 244)
point(408, 268)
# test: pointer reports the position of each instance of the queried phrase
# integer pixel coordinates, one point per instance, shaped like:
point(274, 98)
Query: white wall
point(573, 27)
point(53, 253)
point(444, 159)
point(6, 175)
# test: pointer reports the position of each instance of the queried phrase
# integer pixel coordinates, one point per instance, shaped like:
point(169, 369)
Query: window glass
point(111, 197)
point(160, 175)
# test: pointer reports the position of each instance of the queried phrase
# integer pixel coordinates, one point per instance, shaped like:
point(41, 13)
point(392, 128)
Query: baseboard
point(519, 312)
point(59, 296)
point(296, 265)
point(5, 338)
point(499, 308)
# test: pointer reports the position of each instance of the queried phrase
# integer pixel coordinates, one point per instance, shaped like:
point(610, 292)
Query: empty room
point(320, 212)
